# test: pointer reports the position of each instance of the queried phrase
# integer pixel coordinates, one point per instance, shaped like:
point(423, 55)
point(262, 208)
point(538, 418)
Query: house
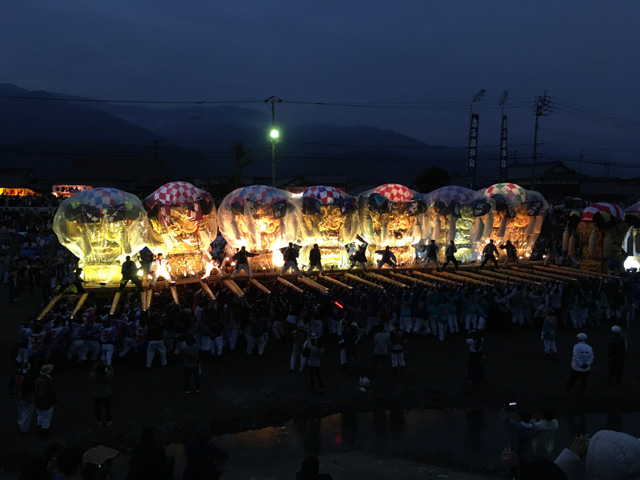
point(129, 174)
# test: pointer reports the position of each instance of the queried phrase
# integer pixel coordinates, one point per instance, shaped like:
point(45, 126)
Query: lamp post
point(274, 134)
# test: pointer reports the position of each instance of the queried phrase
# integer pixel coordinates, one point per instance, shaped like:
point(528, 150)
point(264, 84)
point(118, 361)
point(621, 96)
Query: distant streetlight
point(275, 135)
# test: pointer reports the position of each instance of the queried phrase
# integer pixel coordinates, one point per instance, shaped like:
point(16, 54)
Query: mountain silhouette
point(46, 131)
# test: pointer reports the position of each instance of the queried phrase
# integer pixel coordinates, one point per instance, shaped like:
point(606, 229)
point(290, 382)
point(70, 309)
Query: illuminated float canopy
point(261, 218)
point(329, 219)
point(184, 224)
point(395, 216)
point(101, 227)
point(462, 215)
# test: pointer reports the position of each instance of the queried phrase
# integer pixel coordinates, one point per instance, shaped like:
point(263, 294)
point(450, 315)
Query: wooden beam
point(289, 284)
point(382, 278)
point(436, 278)
point(233, 286)
point(49, 306)
point(174, 294)
point(206, 288)
point(334, 281)
point(362, 280)
point(260, 286)
point(412, 279)
point(114, 304)
point(83, 298)
point(312, 284)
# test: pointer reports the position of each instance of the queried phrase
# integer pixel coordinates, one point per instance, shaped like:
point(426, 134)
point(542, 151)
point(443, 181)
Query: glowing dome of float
point(512, 192)
point(101, 227)
point(183, 219)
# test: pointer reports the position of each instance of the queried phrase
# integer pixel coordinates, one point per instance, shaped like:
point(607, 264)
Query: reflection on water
point(474, 438)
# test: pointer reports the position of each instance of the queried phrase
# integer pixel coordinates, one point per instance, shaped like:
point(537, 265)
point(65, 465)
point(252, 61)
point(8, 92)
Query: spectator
point(310, 470)
point(204, 460)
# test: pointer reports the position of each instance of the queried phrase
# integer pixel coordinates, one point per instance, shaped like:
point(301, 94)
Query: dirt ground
point(242, 392)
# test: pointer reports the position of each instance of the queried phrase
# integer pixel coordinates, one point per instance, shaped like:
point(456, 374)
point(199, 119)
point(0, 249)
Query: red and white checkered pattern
point(395, 192)
point(447, 194)
point(102, 197)
point(178, 193)
point(614, 210)
point(325, 194)
point(261, 194)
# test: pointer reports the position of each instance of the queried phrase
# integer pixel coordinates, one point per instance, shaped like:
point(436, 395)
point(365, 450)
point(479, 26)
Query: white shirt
point(582, 355)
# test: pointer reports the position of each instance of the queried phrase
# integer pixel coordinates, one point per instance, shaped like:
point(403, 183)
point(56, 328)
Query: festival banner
point(502, 173)
point(473, 151)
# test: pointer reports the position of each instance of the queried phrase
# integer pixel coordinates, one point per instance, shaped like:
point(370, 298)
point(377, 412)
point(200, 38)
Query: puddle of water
point(473, 438)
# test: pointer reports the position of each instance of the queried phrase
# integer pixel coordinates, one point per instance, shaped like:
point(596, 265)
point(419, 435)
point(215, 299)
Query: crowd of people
point(384, 316)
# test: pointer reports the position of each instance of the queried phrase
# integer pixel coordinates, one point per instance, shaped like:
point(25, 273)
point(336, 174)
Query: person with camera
point(518, 455)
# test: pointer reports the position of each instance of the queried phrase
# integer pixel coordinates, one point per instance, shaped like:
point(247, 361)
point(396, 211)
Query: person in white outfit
point(160, 268)
point(609, 456)
point(580, 363)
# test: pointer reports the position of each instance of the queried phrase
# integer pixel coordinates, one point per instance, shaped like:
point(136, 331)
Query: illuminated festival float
point(101, 227)
point(261, 218)
point(462, 215)
point(184, 224)
point(518, 216)
point(395, 216)
point(330, 219)
point(631, 243)
point(601, 233)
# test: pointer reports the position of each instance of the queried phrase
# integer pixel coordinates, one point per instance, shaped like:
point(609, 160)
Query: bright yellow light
point(274, 134)
point(631, 262)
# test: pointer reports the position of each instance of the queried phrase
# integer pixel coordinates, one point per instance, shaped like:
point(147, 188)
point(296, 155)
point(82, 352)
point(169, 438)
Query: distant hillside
point(197, 140)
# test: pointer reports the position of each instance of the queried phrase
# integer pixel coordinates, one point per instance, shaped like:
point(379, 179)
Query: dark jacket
point(202, 461)
point(617, 348)
point(45, 393)
point(314, 256)
point(147, 461)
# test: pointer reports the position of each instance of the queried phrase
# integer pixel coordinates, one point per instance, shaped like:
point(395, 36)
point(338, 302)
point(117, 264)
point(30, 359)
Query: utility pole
point(541, 108)
point(274, 134)
point(472, 155)
point(504, 152)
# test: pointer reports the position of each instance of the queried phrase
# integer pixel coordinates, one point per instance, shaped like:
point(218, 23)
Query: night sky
point(410, 66)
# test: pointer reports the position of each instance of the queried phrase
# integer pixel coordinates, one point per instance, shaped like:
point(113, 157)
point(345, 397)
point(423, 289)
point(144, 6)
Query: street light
point(275, 135)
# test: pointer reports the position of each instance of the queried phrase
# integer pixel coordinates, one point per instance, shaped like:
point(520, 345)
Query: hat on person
point(615, 329)
point(582, 337)
point(24, 367)
point(98, 455)
point(613, 455)
point(354, 324)
point(301, 324)
point(46, 369)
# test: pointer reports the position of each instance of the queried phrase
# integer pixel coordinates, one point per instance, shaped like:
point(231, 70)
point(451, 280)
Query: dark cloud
point(583, 53)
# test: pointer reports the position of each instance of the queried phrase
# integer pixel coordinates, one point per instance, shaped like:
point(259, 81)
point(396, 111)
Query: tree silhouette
point(240, 151)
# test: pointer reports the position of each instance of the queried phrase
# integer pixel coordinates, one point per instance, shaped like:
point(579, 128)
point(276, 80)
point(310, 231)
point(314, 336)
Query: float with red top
point(184, 223)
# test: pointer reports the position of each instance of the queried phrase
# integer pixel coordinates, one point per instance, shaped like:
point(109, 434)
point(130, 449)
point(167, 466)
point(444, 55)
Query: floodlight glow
point(274, 134)
point(631, 262)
